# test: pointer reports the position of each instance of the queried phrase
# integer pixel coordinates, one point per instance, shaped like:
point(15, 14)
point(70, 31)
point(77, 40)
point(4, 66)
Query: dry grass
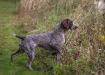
point(86, 43)
point(30, 10)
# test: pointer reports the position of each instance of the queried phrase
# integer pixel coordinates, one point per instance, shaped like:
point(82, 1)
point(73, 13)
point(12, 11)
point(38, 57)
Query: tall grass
point(83, 52)
point(86, 43)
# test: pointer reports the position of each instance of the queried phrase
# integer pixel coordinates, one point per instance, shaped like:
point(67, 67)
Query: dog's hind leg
point(31, 54)
point(13, 56)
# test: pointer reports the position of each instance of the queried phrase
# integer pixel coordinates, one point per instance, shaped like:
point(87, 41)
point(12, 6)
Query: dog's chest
point(58, 39)
point(63, 38)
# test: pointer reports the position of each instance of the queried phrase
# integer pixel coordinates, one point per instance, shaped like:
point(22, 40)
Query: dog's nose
point(75, 27)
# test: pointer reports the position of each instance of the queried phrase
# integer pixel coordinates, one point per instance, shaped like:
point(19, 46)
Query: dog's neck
point(59, 30)
point(60, 34)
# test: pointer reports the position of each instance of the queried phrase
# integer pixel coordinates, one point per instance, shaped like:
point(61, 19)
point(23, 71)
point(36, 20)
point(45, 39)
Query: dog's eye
point(71, 23)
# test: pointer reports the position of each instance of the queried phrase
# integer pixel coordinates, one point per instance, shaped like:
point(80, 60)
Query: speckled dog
point(51, 40)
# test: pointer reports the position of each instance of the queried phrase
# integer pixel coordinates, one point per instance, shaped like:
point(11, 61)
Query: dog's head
point(67, 24)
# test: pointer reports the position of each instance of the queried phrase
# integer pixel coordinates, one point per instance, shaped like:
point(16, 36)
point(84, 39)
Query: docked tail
point(20, 37)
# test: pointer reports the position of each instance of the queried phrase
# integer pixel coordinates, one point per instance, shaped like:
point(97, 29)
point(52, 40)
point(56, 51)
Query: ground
point(87, 62)
point(8, 43)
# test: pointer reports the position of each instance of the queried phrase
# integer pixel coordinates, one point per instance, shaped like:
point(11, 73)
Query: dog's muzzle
point(74, 27)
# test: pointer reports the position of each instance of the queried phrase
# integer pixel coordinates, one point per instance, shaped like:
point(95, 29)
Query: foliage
point(83, 52)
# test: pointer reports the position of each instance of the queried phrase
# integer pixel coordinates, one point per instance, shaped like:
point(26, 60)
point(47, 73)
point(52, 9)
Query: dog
point(50, 41)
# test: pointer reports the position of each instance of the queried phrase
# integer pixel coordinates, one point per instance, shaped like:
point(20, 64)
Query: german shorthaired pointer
point(51, 40)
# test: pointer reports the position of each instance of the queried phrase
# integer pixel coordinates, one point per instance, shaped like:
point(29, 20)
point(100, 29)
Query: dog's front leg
point(58, 55)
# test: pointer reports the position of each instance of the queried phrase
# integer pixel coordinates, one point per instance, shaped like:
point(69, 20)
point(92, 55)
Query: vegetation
point(84, 50)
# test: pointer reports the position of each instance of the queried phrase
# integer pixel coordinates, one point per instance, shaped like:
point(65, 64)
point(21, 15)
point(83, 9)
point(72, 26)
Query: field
point(88, 41)
point(8, 42)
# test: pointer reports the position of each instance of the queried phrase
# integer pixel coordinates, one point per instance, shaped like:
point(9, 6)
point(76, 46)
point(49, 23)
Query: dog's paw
point(29, 67)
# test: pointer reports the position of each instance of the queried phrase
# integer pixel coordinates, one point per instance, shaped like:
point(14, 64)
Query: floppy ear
point(64, 24)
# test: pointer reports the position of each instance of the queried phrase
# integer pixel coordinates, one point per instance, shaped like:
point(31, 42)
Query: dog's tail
point(20, 37)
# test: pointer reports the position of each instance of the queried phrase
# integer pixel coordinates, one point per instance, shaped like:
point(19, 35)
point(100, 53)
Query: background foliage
point(83, 52)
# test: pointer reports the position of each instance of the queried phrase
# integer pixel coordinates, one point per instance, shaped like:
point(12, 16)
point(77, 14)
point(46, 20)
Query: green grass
point(8, 43)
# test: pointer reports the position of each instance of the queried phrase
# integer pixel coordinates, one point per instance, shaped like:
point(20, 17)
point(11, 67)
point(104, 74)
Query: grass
point(8, 43)
point(86, 63)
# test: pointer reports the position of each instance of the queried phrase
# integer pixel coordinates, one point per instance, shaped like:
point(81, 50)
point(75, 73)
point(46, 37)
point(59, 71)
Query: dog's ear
point(66, 24)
